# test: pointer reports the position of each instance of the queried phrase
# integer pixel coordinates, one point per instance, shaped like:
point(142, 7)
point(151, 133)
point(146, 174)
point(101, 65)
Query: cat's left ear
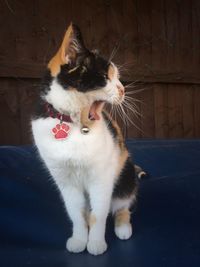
point(72, 45)
point(71, 48)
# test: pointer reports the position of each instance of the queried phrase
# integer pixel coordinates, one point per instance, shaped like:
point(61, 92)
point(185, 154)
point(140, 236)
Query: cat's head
point(82, 78)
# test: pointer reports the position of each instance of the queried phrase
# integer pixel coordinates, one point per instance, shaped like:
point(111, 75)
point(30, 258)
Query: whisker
point(126, 64)
point(131, 122)
point(126, 111)
point(110, 112)
point(136, 91)
point(115, 50)
point(117, 110)
point(130, 84)
point(132, 101)
point(135, 112)
point(121, 116)
point(124, 117)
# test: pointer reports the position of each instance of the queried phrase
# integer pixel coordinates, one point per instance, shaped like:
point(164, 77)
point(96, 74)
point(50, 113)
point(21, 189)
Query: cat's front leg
point(100, 198)
point(75, 205)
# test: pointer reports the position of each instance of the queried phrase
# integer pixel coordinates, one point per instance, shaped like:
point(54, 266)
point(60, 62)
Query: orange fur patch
point(123, 157)
point(119, 133)
point(111, 72)
point(61, 56)
point(92, 220)
point(124, 152)
point(122, 217)
point(85, 216)
point(54, 64)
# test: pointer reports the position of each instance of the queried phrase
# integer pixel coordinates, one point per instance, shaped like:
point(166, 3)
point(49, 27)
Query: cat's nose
point(120, 88)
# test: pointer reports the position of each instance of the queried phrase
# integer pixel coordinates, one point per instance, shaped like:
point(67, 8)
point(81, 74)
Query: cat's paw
point(123, 231)
point(60, 131)
point(95, 247)
point(75, 245)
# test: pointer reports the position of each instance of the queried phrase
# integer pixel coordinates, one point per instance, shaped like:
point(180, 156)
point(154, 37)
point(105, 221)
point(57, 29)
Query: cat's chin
point(95, 109)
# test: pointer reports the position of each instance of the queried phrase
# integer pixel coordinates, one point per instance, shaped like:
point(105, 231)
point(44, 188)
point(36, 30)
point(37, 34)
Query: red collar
point(55, 114)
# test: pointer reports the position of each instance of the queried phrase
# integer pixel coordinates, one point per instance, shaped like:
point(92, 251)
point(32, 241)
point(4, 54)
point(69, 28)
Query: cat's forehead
point(95, 60)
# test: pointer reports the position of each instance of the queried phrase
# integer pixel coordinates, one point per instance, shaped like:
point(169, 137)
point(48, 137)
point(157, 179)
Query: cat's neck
point(71, 103)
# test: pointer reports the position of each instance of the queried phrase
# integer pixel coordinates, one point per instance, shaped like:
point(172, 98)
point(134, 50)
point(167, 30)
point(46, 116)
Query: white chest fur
point(79, 158)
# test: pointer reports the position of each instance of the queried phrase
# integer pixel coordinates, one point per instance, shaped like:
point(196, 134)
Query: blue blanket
point(34, 225)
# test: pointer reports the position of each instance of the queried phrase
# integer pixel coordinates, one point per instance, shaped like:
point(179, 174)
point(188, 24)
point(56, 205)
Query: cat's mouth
point(95, 110)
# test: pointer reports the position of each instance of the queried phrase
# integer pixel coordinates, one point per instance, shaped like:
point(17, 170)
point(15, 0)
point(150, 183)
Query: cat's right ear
point(72, 46)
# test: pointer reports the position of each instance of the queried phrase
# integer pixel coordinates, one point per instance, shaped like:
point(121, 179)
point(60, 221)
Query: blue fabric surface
point(34, 226)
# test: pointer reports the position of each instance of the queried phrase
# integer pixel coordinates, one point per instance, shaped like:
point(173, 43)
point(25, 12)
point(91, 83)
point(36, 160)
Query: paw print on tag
point(60, 131)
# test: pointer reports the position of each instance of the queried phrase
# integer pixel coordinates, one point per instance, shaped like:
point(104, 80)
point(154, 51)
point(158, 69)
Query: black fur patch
point(89, 73)
point(46, 82)
point(40, 110)
point(127, 181)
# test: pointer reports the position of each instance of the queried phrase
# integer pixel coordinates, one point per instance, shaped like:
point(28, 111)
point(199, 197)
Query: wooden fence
point(158, 49)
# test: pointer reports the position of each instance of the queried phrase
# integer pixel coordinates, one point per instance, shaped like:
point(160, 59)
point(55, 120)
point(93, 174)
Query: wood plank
point(162, 40)
point(27, 91)
point(175, 111)
point(131, 41)
point(10, 133)
point(48, 27)
point(34, 30)
point(172, 33)
point(188, 110)
point(134, 129)
point(185, 35)
point(98, 31)
point(114, 17)
point(195, 31)
point(196, 111)
point(29, 28)
point(144, 36)
point(21, 69)
point(161, 111)
point(159, 36)
point(31, 70)
point(147, 113)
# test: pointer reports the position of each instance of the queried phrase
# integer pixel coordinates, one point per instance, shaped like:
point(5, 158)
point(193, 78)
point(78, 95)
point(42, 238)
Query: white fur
point(81, 163)
point(123, 231)
point(119, 204)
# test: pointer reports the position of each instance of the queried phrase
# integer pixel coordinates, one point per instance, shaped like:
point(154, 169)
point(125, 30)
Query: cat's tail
point(140, 172)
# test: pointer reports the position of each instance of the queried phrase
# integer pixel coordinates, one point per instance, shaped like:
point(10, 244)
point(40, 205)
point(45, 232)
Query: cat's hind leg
point(122, 217)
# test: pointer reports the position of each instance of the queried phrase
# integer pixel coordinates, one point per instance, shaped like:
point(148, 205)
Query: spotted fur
point(93, 171)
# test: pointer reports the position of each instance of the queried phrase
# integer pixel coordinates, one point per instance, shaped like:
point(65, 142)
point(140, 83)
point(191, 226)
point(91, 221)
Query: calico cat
point(80, 144)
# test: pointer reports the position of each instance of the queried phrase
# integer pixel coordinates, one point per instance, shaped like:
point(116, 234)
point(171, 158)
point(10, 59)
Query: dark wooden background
point(159, 51)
